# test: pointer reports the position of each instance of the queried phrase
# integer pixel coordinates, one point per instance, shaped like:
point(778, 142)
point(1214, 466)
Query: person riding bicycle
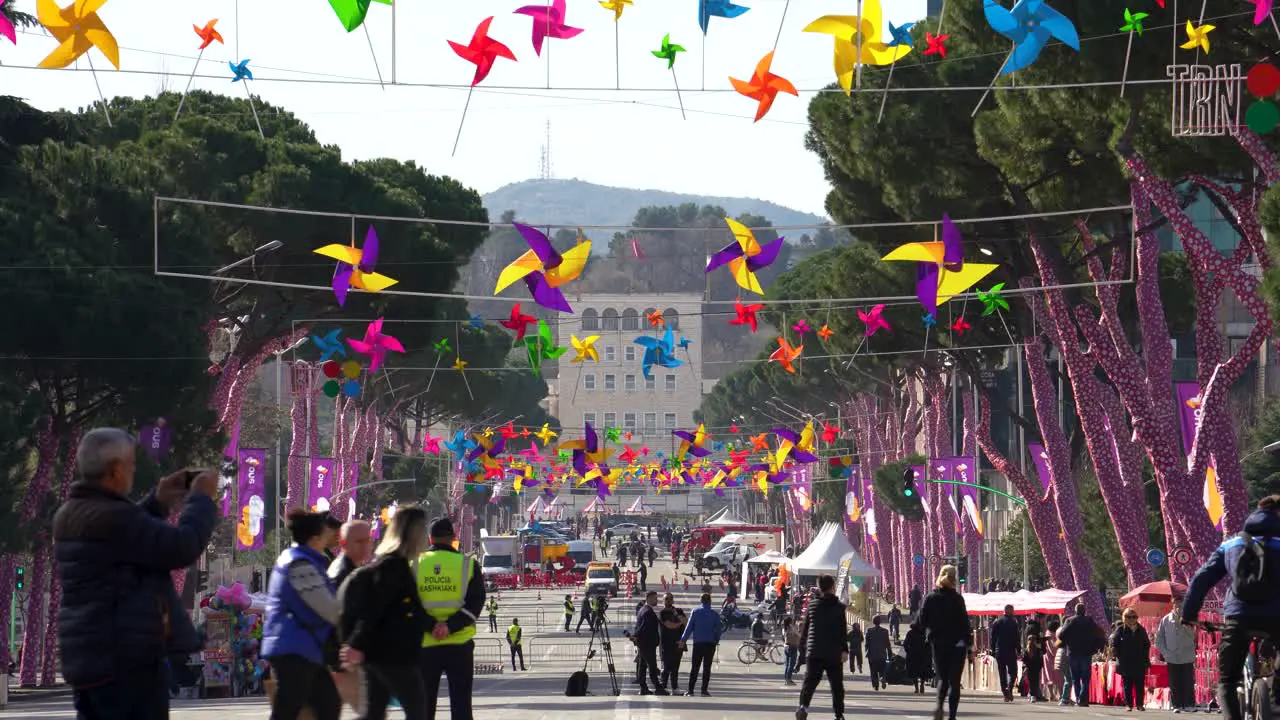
point(1252, 603)
point(759, 633)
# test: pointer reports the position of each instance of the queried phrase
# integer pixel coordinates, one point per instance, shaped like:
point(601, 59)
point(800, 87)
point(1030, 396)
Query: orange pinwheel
point(760, 443)
point(655, 319)
point(786, 355)
point(208, 34)
point(764, 86)
point(77, 28)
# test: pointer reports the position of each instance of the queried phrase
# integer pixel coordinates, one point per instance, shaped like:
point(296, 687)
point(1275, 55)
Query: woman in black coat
point(1131, 649)
point(946, 620)
point(383, 621)
point(919, 664)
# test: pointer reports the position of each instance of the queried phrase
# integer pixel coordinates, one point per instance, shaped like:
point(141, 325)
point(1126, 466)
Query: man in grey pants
point(1177, 645)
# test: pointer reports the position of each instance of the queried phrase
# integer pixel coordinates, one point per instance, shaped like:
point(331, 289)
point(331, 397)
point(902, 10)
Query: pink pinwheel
point(375, 345)
point(874, 320)
point(548, 21)
point(801, 327)
point(1261, 10)
point(235, 596)
point(532, 453)
point(6, 29)
point(431, 445)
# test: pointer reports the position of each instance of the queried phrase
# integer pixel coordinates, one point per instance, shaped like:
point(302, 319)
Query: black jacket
point(114, 559)
point(340, 568)
point(1081, 636)
point(1004, 638)
point(855, 641)
point(381, 614)
point(946, 619)
point(825, 630)
point(878, 644)
point(648, 632)
point(1132, 650)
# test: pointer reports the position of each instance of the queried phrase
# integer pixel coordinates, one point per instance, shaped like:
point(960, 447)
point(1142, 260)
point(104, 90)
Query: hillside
point(575, 202)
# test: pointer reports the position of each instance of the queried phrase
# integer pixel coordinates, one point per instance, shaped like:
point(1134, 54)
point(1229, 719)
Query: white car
point(625, 529)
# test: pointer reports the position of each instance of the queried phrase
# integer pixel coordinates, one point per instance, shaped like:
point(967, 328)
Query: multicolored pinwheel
point(691, 443)
point(543, 269)
point(941, 271)
point(375, 344)
point(745, 257)
point(356, 267)
point(764, 86)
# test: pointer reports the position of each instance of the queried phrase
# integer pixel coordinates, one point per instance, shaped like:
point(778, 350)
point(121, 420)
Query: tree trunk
point(48, 670)
point(299, 465)
point(37, 488)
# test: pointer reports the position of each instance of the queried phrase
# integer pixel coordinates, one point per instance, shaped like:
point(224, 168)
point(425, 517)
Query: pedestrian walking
point(1033, 665)
point(647, 637)
point(653, 555)
point(569, 611)
point(585, 615)
point(914, 599)
point(491, 607)
point(855, 648)
point(622, 554)
point(878, 649)
point(356, 545)
point(823, 638)
point(644, 578)
point(114, 559)
point(703, 629)
point(673, 621)
point(451, 589)
point(1058, 670)
point(791, 635)
point(1177, 645)
point(1131, 648)
point(919, 664)
point(1004, 648)
point(301, 613)
point(515, 643)
point(895, 622)
point(1081, 637)
point(945, 619)
point(383, 622)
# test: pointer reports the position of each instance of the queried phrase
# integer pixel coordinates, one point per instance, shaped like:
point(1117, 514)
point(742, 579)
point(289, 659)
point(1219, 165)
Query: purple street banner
point(921, 473)
point(1187, 396)
point(964, 471)
point(853, 494)
point(1041, 460)
point(155, 438)
point(945, 469)
point(321, 487)
point(250, 498)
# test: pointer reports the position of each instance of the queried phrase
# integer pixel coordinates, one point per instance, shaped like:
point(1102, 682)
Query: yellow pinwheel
point(546, 434)
point(846, 29)
point(617, 6)
point(745, 256)
point(1198, 37)
point(77, 28)
point(586, 348)
point(544, 269)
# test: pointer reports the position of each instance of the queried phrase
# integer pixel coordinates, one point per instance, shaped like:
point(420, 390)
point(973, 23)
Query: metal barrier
point(553, 652)
point(491, 656)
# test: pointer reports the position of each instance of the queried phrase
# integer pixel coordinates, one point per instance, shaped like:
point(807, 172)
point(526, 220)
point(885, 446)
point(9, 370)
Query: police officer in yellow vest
point(515, 638)
point(451, 589)
point(491, 606)
point(568, 611)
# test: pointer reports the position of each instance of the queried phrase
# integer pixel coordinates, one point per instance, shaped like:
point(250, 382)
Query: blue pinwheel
point(475, 322)
point(460, 445)
point(1029, 25)
point(241, 70)
point(684, 343)
point(329, 345)
point(717, 8)
point(901, 35)
point(658, 351)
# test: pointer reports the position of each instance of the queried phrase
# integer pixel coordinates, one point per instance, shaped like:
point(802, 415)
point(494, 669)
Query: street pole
point(279, 446)
point(1022, 463)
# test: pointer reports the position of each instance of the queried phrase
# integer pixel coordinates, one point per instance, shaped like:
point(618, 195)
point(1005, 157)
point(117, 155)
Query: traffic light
point(20, 579)
point(962, 569)
point(202, 581)
point(909, 483)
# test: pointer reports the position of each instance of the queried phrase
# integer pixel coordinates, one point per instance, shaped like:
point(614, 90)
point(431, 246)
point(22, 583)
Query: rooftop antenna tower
point(544, 169)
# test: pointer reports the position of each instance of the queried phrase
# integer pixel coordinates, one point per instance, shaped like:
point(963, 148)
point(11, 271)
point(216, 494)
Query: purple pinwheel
point(543, 269)
point(355, 267)
point(797, 454)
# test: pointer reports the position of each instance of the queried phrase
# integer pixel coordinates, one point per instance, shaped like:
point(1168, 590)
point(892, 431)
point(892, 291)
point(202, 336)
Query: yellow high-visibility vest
point(442, 586)
point(568, 607)
point(513, 635)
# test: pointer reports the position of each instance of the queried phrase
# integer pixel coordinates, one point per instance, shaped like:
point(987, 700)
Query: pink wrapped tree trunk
point(299, 415)
point(939, 442)
point(969, 446)
point(37, 488)
point(48, 669)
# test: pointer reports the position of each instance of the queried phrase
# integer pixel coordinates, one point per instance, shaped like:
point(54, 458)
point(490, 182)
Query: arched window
point(590, 320)
point(630, 319)
point(609, 319)
point(644, 319)
point(672, 317)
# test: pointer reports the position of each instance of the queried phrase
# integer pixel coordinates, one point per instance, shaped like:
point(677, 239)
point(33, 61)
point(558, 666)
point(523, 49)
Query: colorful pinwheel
point(764, 86)
point(874, 320)
point(548, 22)
point(542, 347)
point(77, 28)
point(208, 34)
point(745, 257)
point(519, 322)
point(802, 327)
point(992, 301)
point(845, 29)
point(786, 355)
point(668, 51)
point(617, 6)
point(482, 51)
point(586, 349)
point(1133, 21)
point(356, 267)
point(691, 443)
point(1198, 37)
point(961, 325)
point(240, 71)
point(1029, 25)
point(352, 12)
point(329, 345)
point(544, 270)
point(941, 271)
point(546, 434)
point(745, 314)
point(375, 344)
point(442, 346)
point(825, 333)
point(937, 44)
point(658, 351)
point(431, 445)
point(798, 447)
point(708, 9)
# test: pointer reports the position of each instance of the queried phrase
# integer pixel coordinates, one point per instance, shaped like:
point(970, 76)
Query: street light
point(270, 247)
point(1272, 449)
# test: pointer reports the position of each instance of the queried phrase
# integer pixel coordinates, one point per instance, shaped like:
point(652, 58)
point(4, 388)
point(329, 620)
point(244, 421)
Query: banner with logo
point(320, 489)
point(922, 485)
point(963, 470)
point(251, 498)
point(1187, 395)
point(945, 469)
point(155, 438)
point(1041, 460)
point(853, 504)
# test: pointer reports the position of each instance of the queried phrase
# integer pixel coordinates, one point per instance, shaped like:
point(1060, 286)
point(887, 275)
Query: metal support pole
point(279, 445)
point(1022, 463)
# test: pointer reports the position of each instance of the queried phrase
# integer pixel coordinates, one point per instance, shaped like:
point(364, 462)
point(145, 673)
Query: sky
point(633, 137)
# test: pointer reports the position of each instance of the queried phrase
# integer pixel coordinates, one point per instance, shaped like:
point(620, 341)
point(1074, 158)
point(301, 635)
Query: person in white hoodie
point(1177, 645)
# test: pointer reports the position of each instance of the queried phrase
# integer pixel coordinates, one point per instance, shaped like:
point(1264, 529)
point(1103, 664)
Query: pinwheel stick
point(432, 376)
point(467, 383)
point(254, 108)
point(106, 112)
point(374, 54)
point(462, 121)
point(182, 100)
point(983, 99)
point(679, 99)
point(858, 74)
point(1124, 75)
point(885, 98)
point(617, 57)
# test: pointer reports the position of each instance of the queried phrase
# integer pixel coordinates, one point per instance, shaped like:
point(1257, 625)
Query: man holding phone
point(120, 615)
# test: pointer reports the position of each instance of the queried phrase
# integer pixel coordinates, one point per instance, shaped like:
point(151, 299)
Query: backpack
point(1253, 582)
point(577, 685)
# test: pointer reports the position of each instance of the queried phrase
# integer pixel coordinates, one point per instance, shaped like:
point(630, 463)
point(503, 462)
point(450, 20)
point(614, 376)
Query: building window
point(630, 319)
point(650, 383)
point(610, 382)
point(669, 421)
point(672, 316)
point(629, 421)
point(610, 354)
point(589, 418)
point(610, 420)
point(609, 319)
point(589, 382)
point(590, 320)
point(629, 383)
point(647, 313)
point(630, 353)
point(650, 423)
point(669, 383)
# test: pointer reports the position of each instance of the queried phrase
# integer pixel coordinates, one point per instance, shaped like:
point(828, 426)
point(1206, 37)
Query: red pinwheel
point(482, 51)
point(960, 325)
point(801, 327)
point(830, 433)
point(937, 44)
point(519, 322)
point(746, 314)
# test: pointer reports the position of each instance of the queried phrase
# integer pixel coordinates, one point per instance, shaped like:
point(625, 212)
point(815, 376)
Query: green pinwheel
point(442, 346)
point(668, 51)
point(541, 346)
point(353, 12)
point(992, 301)
point(612, 434)
point(1133, 21)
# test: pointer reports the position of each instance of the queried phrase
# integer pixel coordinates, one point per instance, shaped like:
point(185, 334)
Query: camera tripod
point(600, 632)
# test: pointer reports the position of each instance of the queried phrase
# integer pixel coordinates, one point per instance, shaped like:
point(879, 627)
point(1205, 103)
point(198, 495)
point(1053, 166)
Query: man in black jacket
point(878, 650)
point(823, 637)
point(119, 615)
point(1004, 648)
point(647, 637)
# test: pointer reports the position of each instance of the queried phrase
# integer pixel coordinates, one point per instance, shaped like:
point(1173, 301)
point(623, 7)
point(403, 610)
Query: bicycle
point(752, 652)
point(1256, 689)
